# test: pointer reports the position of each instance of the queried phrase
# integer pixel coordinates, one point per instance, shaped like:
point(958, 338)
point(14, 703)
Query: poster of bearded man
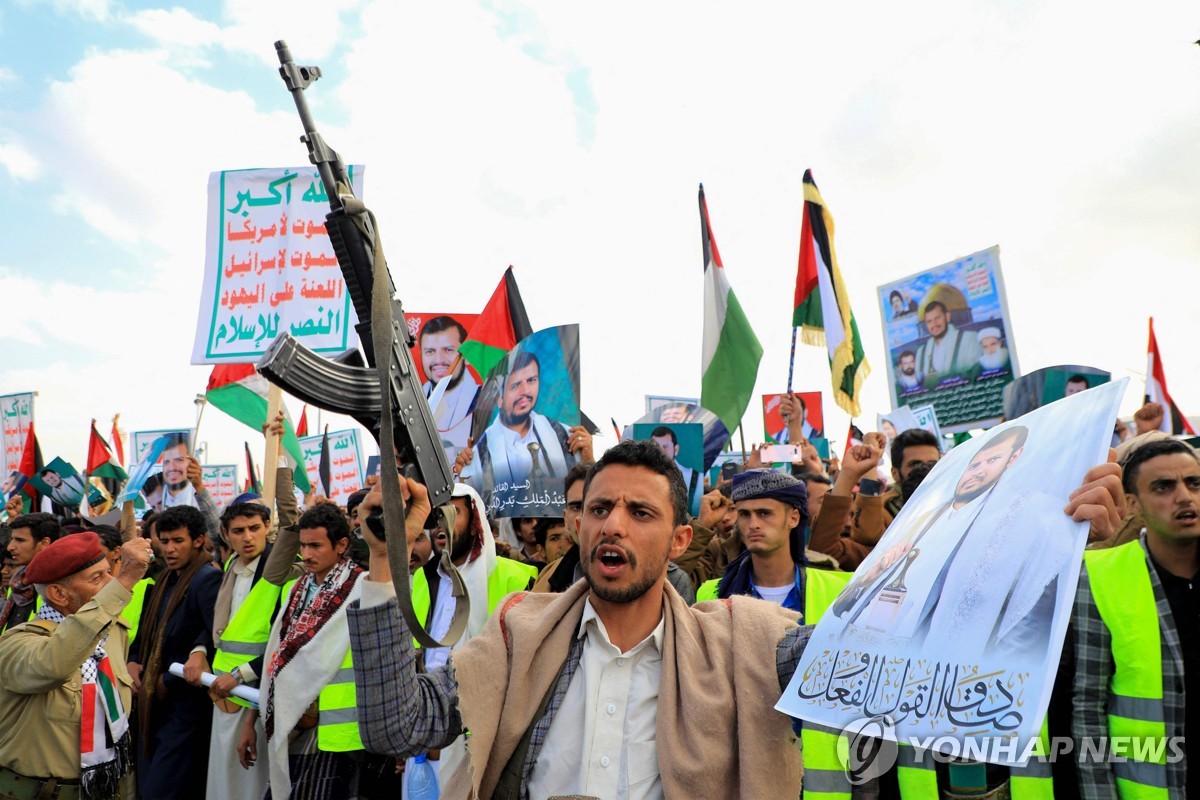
point(952, 627)
point(521, 426)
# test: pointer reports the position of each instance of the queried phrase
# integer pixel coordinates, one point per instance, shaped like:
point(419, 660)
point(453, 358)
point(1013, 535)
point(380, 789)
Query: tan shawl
point(717, 730)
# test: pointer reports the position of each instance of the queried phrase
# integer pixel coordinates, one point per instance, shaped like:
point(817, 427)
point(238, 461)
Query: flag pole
point(201, 401)
point(274, 403)
point(742, 436)
point(792, 361)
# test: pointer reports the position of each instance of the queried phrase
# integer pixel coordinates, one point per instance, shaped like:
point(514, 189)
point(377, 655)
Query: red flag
point(31, 464)
point(1156, 390)
point(302, 425)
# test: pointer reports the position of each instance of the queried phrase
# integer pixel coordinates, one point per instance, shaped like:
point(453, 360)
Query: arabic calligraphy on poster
point(221, 482)
point(270, 267)
point(949, 341)
point(17, 412)
point(345, 464)
point(953, 625)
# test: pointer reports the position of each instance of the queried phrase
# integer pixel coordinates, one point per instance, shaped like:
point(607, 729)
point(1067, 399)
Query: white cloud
point(144, 179)
point(312, 29)
point(19, 162)
point(99, 10)
point(176, 26)
point(7, 76)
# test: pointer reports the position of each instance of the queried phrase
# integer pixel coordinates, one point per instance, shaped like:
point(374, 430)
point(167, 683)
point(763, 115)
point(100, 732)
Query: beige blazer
point(41, 689)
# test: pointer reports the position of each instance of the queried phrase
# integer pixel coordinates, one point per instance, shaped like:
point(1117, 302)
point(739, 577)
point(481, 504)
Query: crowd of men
point(590, 665)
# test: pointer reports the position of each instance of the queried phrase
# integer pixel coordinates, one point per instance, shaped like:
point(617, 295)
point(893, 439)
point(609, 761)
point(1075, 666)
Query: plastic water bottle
point(422, 780)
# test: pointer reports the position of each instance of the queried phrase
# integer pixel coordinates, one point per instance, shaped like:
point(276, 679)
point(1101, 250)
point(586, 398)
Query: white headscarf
point(475, 572)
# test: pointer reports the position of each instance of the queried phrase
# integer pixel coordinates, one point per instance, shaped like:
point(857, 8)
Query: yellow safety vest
point(132, 613)
point(1124, 595)
point(245, 636)
point(918, 778)
point(824, 773)
point(337, 720)
point(337, 724)
point(509, 576)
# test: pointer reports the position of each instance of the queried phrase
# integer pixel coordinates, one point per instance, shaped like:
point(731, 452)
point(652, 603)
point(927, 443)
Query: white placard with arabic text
point(345, 463)
point(269, 267)
point(16, 410)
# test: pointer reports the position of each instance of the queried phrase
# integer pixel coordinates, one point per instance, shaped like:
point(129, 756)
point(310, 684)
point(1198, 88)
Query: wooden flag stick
point(271, 462)
point(742, 436)
point(202, 402)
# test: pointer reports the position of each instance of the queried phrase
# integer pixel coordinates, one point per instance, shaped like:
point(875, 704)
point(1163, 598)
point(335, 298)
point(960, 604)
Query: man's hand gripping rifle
point(385, 396)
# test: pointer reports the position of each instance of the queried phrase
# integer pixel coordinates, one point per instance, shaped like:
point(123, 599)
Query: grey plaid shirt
point(1093, 672)
point(403, 713)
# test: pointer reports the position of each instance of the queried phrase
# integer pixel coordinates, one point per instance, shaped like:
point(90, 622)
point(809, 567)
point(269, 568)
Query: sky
point(568, 140)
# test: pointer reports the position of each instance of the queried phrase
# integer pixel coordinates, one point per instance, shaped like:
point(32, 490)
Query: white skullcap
point(986, 332)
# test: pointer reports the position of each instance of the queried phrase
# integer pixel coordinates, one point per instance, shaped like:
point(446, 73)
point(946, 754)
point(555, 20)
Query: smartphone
point(728, 470)
point(780, 453)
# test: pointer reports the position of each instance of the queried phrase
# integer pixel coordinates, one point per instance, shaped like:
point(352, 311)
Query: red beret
point(65, 557)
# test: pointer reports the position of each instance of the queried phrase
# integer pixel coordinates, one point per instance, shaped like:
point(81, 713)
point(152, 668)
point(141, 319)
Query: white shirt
point(602, 740)
point(939, 357)
point(184, 497)
point(453, 414)
point(774, 594)
point(439, 623)
point(935, 549)
point(509, 452)
point(243, 582)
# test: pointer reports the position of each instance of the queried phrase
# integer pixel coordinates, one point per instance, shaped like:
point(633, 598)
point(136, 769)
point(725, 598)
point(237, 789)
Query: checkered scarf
point(301, 623)
point(104, 745)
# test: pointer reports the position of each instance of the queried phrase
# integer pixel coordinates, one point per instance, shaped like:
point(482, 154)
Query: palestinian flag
point(302, 427)
point(502, 324)
point(101, 461)
point(1156, 390)
point(731, 352)
point(821, 308)
point(239, 391)
point(854, 437)
point(252, 484)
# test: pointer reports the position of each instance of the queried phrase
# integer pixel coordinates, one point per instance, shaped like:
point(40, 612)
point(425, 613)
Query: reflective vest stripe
point(1124, 597)
point(338, 716)
point(337, 724)
point(245, 636)
point(253, 649)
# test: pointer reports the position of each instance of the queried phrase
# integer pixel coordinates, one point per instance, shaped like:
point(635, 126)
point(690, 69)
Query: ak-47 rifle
point(386, 396)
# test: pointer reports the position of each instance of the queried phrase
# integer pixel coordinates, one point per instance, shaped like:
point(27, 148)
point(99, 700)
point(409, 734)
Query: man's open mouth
point(612, 559)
